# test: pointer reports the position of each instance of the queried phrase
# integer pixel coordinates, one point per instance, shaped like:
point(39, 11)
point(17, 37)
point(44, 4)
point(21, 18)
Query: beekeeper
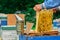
point(48, 4)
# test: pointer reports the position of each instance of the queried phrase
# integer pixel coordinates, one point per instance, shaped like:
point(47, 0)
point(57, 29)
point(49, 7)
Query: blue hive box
point(55, 24)
point(40, 38)
point(3, 19)
point(3, 22)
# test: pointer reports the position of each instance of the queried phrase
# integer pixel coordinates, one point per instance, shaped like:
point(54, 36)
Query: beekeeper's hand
point(37, 7)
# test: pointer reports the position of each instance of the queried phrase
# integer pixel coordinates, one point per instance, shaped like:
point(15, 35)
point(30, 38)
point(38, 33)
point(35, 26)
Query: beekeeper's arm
point(50, 4)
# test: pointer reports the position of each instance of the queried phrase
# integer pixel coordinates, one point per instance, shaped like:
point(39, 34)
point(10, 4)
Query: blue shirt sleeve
point(51, 3)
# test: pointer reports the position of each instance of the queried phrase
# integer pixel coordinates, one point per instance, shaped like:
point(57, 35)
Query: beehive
point(12, 19)
point(3, 19)
point(44, 20)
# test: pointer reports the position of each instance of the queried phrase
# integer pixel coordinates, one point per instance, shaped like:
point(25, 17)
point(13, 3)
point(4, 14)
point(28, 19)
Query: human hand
point(37, 7)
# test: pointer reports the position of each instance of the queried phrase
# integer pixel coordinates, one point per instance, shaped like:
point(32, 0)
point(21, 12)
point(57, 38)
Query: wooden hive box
point(12, 19)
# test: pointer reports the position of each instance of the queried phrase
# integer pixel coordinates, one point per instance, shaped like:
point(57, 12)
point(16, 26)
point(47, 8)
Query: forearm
point(50, 4)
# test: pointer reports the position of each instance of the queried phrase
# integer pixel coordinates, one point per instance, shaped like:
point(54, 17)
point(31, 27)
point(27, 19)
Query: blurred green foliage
point(26, 6)
point(56, 15)
point(10, 6)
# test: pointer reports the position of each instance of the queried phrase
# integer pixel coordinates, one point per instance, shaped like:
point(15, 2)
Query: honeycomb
point(44, 20)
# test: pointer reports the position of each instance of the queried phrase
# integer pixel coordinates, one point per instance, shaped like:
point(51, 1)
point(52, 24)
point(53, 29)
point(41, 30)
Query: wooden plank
point(28, 27)
point(51, 33)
